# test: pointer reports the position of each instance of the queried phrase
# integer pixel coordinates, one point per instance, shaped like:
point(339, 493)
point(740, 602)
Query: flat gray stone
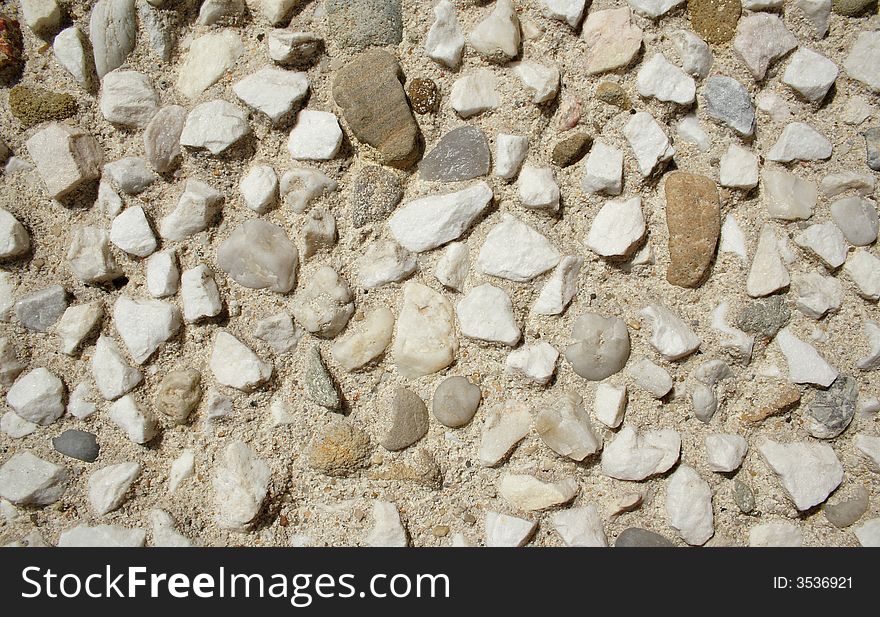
point(455, 401)
point(642, 538)
point(362, 23)
point(375, 192)
point(845, 513)
point(729, 102)
point(767, 316)
point(39, 310)
point(319, 383)
point(409, 421)
point(461, 154)
point(833, 409)
point(77, 444)
point(872, 145)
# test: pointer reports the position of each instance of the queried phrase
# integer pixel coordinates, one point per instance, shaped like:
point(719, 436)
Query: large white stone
point(609, 404)
point(497, 37)
point(671, 336)
point(259, 255)
point(316, 136)
point(384, 261)
point(235, 365)
point(725, 452)
point(534, 362)
point(560, 288)
point(138, 425)
point(208, 59)
point(810, 74)
point(528, 493)
point(432, 221)
point(503, 530)
point(505, 426)
point(695, 53)
point(112, 373)
point(199, 203)
point(603, 172)
point(637, 456)
point(70, 51)
point(14, 238)
point(826, 241)
point(817, 12)
point(800, 142)
point(66, 157)
point(388, 530)
point(37, 396)
point(128, 99)
point(612, 39)
point(808, 472)
point(425, 340)
point(241, 483)
point(664, 81)
point(787, 196)
point(108, 486)
point(26, 479)
point(301, 185)
point(131, 232)
point(761, 39)
point(817, 294)
point(805, 365)
point(541, 79)
point(131, 175)
point(863, 268)
point(857, 219)
point(580, 527)
point(162, 274)
point(650, 377)
point(452, 267)
point(510, 152)
point(199, 294)
point(274, 92)
point(474, 93)
point(863, 59)
point(445, 40)
point(112, 30)
point(514, 251)
point(486, 314)
point(324, 306)
point(768, 272)
point(649, 142)
point(618, 228)
point(144, 325)
point(370, 340)
point(689, 506)
point(259, 188)
point(564, 425)
point(739, 168)
point(215, 125)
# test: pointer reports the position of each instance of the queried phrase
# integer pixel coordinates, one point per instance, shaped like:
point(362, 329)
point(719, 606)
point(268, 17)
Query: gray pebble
point(319, 382)
point(77, 444)
point(455, 401)
point(461, 154)
point(744, 497)
point(40, 309)
point(637, 537)
point(766, 316)
point(872, 144)
point(847, 512)
point(729, 102)
point(362, 23)
point(409, 421)
point(375, 192)
point(833, 409)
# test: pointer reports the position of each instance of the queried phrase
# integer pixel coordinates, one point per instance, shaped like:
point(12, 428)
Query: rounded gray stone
point(744, 497)
point(637, 537)
point(77, 444)
point(845, 513)
point(455, 401)
point(409, 421)
point(600, 348)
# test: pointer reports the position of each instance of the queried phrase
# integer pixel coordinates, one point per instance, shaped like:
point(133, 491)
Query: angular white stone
point(452, 267)
point(112, 374)
point(800, 142)
point(811, 74)
point(671, 336)
point(505, 530)
point(15, 426)
point(826, 241)
point(162, 274)
point(384, 261)
point(208, 59)
point(603, 172)
point(856, 110)
point(69, 48)
point(857, 219)
point(274, 92)
point(863, 59)
point(560, 288)
point(689, 129)
point(259, 255)
point(609, 404)
point(497, 36)
point(14, 238)
point(102, 536)
point(505, 426)
point(618, 228)
point(425, 340)
point(689, 506)
point(664, 81)
point(817, 294)
point(26, 479)
point(241, 483)
point(138, 425)
point(695, 54)
point(565, 427)
point(199, 294)
point(66, 157)
point(112, 30)
point(429, 222)
point(316, 136)
point(648, 141)
point(725, 452)
point(739, 168)
point(216, 11)
point(388, 530)
point(144, 325)
point(535, 362)
point(259, 188)
point(81, 405)
point(287, 47)
point(278, 332)
point(132, 233)
point(569, 11)
point(109, 202)
point(371, 339)
point(474, 93)
point(164, 534)
point(808, 472)
point(650, 377)
point(215, 126)
point(776, 534)
point(637, 456)
point(761, 39)
point(768, 272)
point(773, 105)
point(182, 467)
point(871, 330)
point(541, 79)
point(537, 188)
point(235, 365)
point(805, 365)
point(445, 40)
point(612, 39)
point(836, 183)
point(510, 152)
point(131, 175)
point(37, 396)
point(199, 203)
point(514, 251)
point(128, 99)
point(486, 314)
point(653, 8)
point(817, 13)
point(863, 268)
point(325, 305)
point(528, 493)
point(107, 486)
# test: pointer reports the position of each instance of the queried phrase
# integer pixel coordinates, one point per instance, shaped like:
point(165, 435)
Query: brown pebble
point(715, 20)
point(787, 398)
point(469, 518)
point(440, 531)
point(693, 217)
point(611, 93)
point(423, 96)
point(571, 149)
point(283, 521)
